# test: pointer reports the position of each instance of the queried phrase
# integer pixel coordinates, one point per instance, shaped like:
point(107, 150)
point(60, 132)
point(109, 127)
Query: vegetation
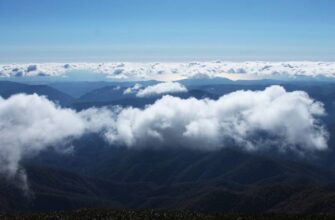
point(159, 215)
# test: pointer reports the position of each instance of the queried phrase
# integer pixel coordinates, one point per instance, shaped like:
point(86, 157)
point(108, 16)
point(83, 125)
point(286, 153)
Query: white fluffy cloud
point(27, 70)
point(161, 88)
point(173, 71)
point(251, 120)
point(248, 119)
point(157, 89)
point(31, 123)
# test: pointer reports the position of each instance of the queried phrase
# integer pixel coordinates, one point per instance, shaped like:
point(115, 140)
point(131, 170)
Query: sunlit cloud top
point(168, 71)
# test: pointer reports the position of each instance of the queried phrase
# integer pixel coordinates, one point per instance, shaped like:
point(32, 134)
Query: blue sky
point(153, 30)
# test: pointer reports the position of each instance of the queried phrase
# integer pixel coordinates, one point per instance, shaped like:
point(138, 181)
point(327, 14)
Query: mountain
point(115, 95)
point(54, 189)
point(130, 214)
point(80, 88)
point(98, 175)
point(176, 165)
point(173, 179)
point(8, 89)
point(106, 94)
point(77, 89)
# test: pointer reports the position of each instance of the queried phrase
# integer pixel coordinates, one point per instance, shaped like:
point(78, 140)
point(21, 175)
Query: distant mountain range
point(8, 89)
point(78, 89)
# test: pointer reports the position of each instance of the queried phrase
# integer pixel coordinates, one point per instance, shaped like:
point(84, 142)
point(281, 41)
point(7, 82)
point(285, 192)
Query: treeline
point(99, 214)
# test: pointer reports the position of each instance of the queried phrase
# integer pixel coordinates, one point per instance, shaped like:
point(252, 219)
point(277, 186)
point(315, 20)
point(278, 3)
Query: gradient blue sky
point(164, 30)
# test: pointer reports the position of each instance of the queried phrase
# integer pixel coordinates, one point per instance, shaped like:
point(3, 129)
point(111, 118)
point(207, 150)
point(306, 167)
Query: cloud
point(168, 71)
point(272, 119)
point(133, 89)
point(28, 70)
point(31, 123)
point(161, 88)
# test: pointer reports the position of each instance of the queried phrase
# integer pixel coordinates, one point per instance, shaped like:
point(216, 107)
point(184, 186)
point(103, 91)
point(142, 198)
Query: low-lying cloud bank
point(250, 120)
point(173, 71)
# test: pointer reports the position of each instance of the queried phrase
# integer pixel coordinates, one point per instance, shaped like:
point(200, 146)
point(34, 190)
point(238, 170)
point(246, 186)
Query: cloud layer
point(174, 71)
point(251, 120)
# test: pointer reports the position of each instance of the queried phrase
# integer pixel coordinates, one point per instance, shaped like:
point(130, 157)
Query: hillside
point(125, 214)
point(179, 179)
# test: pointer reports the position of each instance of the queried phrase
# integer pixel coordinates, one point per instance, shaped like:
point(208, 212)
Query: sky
point(170, 30)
